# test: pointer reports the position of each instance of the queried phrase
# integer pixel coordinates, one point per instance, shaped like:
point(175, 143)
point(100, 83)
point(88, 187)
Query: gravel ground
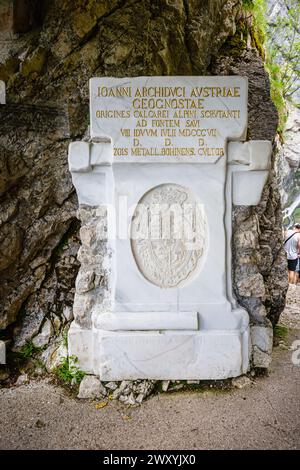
point(264, 415)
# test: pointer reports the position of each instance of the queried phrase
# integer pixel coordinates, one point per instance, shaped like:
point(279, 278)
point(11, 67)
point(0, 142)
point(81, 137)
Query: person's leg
point(292, 265)
point(295, 278)
point(291, 277)
point(298, 271)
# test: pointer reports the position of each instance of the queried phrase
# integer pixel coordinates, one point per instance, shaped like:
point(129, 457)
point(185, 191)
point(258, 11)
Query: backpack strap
point(290, 237)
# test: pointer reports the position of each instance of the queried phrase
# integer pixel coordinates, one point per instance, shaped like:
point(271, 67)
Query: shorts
point(292, 264)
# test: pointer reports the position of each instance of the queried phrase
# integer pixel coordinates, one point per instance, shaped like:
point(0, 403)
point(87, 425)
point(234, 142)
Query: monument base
point(206, 354)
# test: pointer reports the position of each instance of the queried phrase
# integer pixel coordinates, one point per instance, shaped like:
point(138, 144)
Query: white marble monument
point(156, 184)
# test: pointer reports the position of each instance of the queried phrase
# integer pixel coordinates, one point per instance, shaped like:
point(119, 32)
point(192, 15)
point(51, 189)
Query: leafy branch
point(283, 44)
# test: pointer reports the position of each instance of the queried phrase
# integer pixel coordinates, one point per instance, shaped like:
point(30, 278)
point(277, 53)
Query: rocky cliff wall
point(46, 71)
point(288, 167)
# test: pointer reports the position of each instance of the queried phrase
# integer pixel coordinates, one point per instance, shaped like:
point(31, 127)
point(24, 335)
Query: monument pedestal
point(209, 353)
point(154, 293)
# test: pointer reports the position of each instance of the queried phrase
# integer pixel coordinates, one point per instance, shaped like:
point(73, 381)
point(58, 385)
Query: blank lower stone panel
point(168, 355)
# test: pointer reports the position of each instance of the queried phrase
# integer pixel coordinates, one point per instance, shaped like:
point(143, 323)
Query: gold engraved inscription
point(171, 121)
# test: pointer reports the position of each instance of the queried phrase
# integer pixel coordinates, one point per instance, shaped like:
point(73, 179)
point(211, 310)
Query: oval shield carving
point(169, 235)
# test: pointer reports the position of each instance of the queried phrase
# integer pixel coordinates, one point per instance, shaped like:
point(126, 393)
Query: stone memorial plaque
point(169, 117)
point(156, 184)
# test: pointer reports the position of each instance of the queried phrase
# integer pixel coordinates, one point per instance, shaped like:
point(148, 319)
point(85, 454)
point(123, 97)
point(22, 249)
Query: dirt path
point(265, 415)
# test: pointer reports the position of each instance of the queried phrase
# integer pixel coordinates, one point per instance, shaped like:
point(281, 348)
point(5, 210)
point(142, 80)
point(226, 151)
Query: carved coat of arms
point(169, 235)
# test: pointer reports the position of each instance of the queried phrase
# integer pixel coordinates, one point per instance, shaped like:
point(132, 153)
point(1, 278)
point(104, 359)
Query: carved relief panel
point(169, 235)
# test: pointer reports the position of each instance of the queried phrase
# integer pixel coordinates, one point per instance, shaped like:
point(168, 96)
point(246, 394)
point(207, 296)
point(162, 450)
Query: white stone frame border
point(95, 331)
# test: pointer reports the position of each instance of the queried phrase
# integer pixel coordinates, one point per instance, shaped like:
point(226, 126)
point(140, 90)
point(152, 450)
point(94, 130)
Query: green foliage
point(284, 47)
point(277, 37)
point(28, 350)
point(65, 339)
point(276, 91)
point(296, 215)
point(283, 58)
point(258, 10)
point(281, 332)
point(68, 370)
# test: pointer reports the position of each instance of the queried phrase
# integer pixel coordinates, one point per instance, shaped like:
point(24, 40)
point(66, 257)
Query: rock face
point(91, 387)
point(241, 382)
point(262, 343)
point(46, 71)
point(92, 283)
point(288, 164)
